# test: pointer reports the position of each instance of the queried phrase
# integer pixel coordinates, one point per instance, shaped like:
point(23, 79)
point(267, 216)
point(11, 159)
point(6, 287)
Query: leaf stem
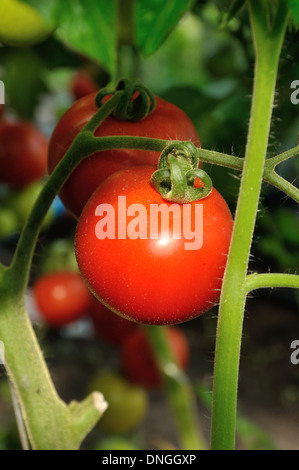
point(266, 280)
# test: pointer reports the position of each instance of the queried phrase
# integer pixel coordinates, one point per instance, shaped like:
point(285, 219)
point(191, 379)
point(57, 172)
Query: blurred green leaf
point(88, 26)
point(288, 225)
point(294, 7)
point(154, 20)
point(234, 8)
point(274, 248)
point(280, 236)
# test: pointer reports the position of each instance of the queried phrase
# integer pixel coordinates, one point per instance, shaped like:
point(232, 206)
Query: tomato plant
point(23, 153)
point(107, 325)
point(167, 121)
point(128, 403)
point(61, 297)
point(138, 361)
point(158, 281)
point(99, 154)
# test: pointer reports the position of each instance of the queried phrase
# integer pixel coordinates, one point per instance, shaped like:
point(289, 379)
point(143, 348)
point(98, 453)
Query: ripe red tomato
point(152, 277)
point(82, 85)
point(23, 153)
point(167, 121)
point(138, 362)
point(61, 297)
point(107, 325)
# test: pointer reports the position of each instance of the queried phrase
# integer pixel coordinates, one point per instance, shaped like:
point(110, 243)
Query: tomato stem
point(178, 390)
point(177, 172)
point(266, 280)
point(136, 101)
point(233, 296)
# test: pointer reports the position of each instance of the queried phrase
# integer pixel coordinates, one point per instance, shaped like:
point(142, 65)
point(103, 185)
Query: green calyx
point(136, 101)
point(177, 176)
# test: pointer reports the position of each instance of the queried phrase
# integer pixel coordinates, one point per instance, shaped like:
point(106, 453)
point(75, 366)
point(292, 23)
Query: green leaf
point(87, 26)
point(234, 9)
point(294, 7)
point(154, 20)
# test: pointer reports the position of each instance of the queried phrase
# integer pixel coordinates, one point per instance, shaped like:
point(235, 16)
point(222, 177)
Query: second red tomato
point(61, 297)
point(167, 121)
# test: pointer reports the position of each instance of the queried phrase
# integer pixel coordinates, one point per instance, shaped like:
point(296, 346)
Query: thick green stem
point(233, 296)
point(178, 390)
point(49, 422)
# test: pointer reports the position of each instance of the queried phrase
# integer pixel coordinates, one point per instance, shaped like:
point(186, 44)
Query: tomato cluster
point(153, 281)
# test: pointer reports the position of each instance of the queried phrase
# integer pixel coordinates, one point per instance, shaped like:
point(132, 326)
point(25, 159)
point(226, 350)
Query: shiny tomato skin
point(153, 281)
point(61, 297)
point(167, 121)
point(138, 362)
point(108, 326)
point(23, 153)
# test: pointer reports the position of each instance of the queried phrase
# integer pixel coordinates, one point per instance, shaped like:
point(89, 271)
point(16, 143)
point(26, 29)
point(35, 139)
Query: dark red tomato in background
point(82, 84)
point(108, 326)
point(138, 362)
point(147, 280)
point(23, 153)
point(167, 121)
point(2, 110)
point(61, 297)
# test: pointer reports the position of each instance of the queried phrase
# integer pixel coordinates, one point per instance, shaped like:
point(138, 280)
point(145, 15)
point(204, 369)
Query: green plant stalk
point(50, 423)
point(178, 390)
point(42, 410)
point(233, 296)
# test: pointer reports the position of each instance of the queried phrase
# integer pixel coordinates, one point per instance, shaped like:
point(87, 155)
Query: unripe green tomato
point(127, 403)
point(8, 222)
point(57, 256)
point(21, 25)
